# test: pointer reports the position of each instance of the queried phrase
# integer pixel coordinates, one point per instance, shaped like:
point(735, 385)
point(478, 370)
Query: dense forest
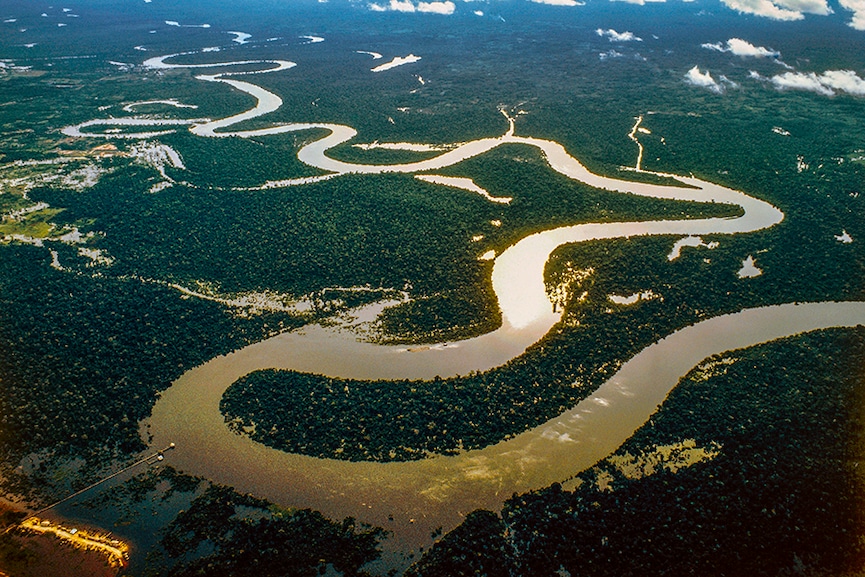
point(783, 495)
point(249, 537)
point(398, 420)
point(84, 357)
point(86, 347)
point(382, 232)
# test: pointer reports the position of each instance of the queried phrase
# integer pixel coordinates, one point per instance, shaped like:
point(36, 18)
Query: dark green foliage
point(249, 539)
point(399, 420)
point(451, 315)
point(477, 547)
point(351, 231)
point(783, 497)
point(238, 162)
point(206, 519)
point(386, 231)
point(82, 357)
point(166, 481)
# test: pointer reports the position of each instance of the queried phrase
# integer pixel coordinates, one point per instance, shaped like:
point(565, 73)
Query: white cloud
point(828, 84)
point(763, 8)
point(844, 80)
point(560, 2)
point(801, 81)
point(618, 36)
point(781, 9)
point(728, 82)
point(641, 2)
point(405, 6)
point(703, 80)
point(445, 8)
point(743, 48)
point(858, 9)
point(807, 6)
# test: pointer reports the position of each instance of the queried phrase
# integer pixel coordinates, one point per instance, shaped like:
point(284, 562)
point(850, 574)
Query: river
point(414, 498)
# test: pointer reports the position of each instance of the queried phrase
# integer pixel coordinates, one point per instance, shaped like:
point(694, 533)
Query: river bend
point(413, 498)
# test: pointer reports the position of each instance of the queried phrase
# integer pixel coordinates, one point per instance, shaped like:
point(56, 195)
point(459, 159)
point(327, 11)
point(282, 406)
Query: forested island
point(403, 420)
point(766, 443)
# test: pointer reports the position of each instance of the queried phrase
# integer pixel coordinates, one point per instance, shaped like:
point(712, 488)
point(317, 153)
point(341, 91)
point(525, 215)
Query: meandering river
point(413, 498)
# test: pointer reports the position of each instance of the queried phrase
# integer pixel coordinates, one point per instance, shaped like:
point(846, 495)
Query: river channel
point(413, 498)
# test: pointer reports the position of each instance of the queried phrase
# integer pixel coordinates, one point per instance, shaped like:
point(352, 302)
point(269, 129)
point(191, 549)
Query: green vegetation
point(36, 224)
point(84, 357)
point(351, 153)
point(398, 420)
point(85, 351)
point(249, 537)
point(239, 162)
point(787, 418)
point(477, 547)
point(387, 231)
point(164, 481)
point(19, 215)
point(447, 315)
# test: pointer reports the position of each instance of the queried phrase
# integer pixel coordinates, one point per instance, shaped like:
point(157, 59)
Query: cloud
point(743, 48)
point(728, 82)
point(801, 81)
point(446, 8)
point(782, 9)
point(402, 6)
point(828, 84)
point(618, 36)
point(858, 9)
point(703, 80)
point(179, 25)
point(560, 2)
point(643, 2)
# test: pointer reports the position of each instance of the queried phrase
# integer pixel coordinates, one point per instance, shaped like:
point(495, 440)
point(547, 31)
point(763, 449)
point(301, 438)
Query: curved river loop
point(413, 498)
